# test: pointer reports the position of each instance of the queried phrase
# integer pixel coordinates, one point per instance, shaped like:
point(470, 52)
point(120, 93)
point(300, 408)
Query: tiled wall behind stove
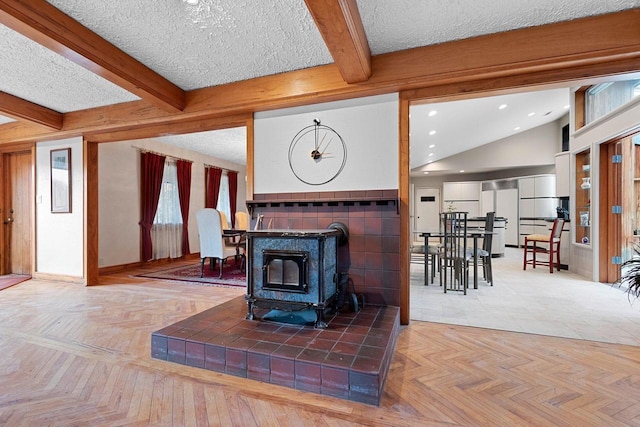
point(372, 255)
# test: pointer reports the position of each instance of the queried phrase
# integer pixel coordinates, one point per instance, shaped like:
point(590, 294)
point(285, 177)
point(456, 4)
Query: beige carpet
point(562, 304)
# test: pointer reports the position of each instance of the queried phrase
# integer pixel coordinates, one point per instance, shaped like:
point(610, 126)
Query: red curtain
point(151, 171)
point(233, 195)
point(184, 194)
point(214, 175)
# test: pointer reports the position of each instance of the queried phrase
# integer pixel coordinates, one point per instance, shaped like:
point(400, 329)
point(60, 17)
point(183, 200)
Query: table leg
point(426, 261)
point(475, 262)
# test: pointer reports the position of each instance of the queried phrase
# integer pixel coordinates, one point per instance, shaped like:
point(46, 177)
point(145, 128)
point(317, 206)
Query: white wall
point(369, 127)
point(59, 236)
point(534, 147)
point(585, 259)
point(119, 201)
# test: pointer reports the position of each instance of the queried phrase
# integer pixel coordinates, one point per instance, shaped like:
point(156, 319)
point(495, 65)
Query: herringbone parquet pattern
point(77, 356)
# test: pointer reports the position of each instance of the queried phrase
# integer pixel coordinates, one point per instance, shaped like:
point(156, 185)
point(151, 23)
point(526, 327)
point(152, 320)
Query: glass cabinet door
point(582, 214)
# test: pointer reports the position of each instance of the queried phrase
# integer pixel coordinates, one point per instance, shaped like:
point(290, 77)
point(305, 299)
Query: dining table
point(474, 235)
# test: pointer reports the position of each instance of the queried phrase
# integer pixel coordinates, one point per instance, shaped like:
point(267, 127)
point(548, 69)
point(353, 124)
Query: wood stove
point(293, 270)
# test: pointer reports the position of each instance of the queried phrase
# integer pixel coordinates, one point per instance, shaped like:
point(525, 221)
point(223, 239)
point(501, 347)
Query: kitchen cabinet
point(462, 197)
point(563, 175)
point(537, 204)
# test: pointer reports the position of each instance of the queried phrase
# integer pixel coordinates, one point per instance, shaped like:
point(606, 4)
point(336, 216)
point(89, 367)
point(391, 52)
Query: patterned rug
point(231, 274)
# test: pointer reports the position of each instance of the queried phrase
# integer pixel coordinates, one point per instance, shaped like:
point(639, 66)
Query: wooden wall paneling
point(404, 201)
point(91, 223)
point(250, 158)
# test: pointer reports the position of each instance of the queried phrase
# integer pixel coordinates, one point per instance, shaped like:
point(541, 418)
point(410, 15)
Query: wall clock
point(317, 154)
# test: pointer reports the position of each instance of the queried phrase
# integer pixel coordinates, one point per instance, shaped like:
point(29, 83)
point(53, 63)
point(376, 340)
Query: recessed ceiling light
point(426, 172)
point(502, 107)
point(192, 2)
point(461, 170)
point(432, 113)
point(433, 132)
point(432, 146)
point(566, 107)
point(430, 154)
point(531, 114)
point(516, 128)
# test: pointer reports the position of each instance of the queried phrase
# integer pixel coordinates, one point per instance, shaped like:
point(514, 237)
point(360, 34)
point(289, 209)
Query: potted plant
point(631, 274)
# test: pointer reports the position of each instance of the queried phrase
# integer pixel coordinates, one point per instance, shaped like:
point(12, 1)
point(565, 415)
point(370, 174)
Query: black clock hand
point(326, 146)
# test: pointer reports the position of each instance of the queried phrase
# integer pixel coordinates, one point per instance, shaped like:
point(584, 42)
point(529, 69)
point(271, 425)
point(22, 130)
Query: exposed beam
point(197, 125)
point(341, 27)
point(20, 109)
point(562, 52)
point(45, 24)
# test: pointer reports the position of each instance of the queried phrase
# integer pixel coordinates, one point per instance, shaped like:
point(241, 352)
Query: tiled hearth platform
point(348, 360)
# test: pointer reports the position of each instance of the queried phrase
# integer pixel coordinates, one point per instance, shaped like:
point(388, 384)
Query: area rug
point(231, 275)
point(12, 279)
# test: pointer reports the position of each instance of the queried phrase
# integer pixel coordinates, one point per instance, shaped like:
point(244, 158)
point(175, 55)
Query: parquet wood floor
point(80, 356)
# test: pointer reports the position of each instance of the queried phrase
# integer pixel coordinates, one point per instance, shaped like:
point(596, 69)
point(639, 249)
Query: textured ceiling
point(221, 41)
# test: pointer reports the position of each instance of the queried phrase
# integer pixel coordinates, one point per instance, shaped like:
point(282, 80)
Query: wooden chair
point(536, 244)
point(454, 255)
point(212, 244)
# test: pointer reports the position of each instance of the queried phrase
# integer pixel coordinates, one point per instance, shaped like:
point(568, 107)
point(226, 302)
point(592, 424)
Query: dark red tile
point(373, 276)
point(308, 376)
point(215, 357)
point(287, 351)
point(364, 387)
point(159, 348)
point(373, 243)
point(391, 226)
point(236, 362)
point(312, 356)
point(283, 372)
point(263, 347)
point(373, 226)
point(176, 350)
point(258, 367)
point(376, 353)
point(346, 348)
point(338, 360)
point(327, 334)
point(194, 354)
point(319, 344)
point(366, 365)
point(357, 226)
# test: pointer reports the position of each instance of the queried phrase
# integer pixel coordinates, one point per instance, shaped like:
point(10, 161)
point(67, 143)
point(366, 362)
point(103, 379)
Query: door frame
point(9, 149)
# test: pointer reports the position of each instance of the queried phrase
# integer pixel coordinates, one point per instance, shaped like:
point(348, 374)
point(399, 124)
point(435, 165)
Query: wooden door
point(16, 212)
point(611, 208)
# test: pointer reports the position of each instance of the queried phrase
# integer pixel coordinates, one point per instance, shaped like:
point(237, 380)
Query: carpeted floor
point(231, 275)
point(12, 279)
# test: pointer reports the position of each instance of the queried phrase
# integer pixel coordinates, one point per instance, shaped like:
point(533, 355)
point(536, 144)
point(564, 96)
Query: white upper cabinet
point(461, 191)
point(563, 177)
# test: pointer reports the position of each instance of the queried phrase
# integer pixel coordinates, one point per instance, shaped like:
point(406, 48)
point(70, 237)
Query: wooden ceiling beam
point(341, 28)
point(562, 52)
point(45, 24)
point(20, 109)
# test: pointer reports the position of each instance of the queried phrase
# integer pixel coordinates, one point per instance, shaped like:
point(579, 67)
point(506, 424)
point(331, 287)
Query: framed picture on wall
point(61, 180)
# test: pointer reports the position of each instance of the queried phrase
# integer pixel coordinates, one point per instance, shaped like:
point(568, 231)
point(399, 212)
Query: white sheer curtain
point(166, 233)
point(224, 204)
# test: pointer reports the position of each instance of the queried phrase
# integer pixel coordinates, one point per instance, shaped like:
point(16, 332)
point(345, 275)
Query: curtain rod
point(218, 167)
point(145, 150)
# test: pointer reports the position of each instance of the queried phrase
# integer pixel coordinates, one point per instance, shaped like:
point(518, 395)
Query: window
point(603, 98)
point(224, 204)
point(169, 203)
point(166, 232)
